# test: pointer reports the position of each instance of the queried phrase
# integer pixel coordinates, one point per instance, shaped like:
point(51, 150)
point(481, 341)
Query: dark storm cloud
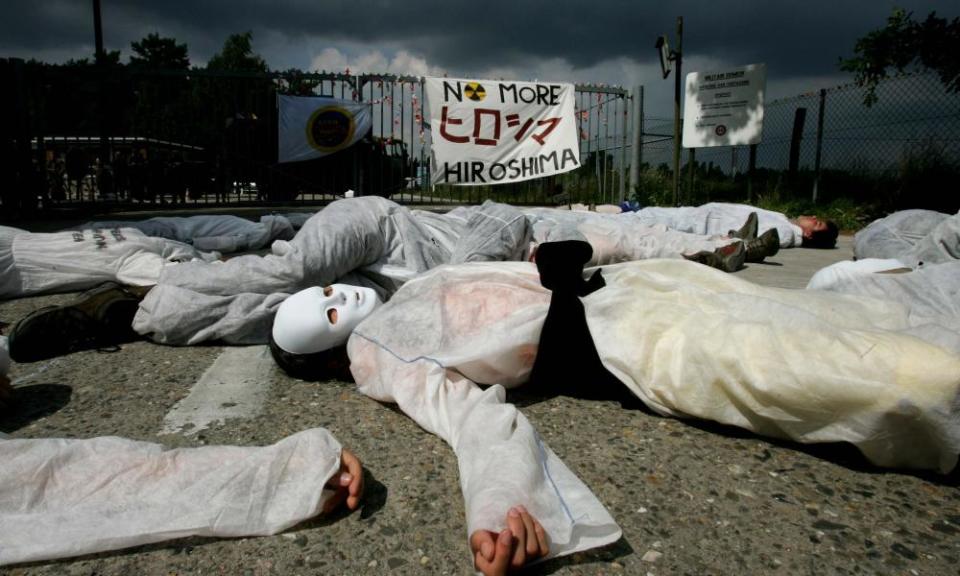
point(802, 37)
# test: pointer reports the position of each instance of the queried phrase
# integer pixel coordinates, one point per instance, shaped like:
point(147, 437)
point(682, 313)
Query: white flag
point(311, 127)
point(492, 132)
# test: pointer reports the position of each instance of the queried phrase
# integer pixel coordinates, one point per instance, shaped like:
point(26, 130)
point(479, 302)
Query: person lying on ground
point(39, 263)
point(719, 218)
point(684, 339)
point(621, 238)
point(214, 232)
point(930, 292)
point(69, 497)
point(367, 241)
point(307, 340)
point(914, 237)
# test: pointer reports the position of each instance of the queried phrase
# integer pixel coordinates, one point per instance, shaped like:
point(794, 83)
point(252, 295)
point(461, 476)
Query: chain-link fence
point(123, 137)
point(904, 151)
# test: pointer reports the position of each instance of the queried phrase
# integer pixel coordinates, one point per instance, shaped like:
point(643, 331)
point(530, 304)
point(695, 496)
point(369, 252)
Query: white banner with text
point(494, 132)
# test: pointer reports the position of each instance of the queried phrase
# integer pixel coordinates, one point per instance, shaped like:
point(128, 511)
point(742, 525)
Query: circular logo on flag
point(720, 130)
point(475, 91)
point(330, 128)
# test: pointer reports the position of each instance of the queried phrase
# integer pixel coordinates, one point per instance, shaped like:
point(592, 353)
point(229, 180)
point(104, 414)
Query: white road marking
point(234, 386)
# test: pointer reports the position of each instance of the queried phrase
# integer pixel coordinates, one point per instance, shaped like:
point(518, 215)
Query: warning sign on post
point(724, 108)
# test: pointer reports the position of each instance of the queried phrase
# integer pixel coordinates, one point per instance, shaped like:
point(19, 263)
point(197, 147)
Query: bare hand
point(347, 483)
point(522, 541)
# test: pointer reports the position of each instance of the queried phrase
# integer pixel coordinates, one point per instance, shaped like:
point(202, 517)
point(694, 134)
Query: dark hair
point(332, 364)
point(823, 238)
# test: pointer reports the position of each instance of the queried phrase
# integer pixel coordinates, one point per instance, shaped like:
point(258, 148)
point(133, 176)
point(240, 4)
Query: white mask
point(318, 319)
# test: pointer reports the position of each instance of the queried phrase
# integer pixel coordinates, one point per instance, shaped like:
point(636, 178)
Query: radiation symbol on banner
point(330, 129)
point(475, 91)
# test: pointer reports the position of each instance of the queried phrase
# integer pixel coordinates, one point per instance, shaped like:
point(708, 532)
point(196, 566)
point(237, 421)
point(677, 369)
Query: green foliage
point(158, 53)
point(933, 44)
point(237, 55)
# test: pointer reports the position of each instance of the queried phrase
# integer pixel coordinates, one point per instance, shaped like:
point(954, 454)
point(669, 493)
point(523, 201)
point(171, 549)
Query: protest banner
point(494, 132)
point(724, 108)
point(312, 127)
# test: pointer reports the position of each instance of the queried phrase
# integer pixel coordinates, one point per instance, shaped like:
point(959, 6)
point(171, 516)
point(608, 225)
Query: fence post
point(691, 171)
point(750, 172)
point(20, 191)
point(799, 119)
point(623, 153)
point(636, 150)
point(816, 164)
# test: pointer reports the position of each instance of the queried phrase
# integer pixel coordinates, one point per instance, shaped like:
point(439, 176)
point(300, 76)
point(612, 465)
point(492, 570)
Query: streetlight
point(667, 57)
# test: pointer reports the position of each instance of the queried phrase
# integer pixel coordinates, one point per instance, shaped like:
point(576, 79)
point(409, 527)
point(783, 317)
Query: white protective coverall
point(931, 293)
point(718, 218)
point(67, 497)
point(688, 340)
point(34, 263)
point(366, 241)
point(220, 232)
point(915, 237)
point(618, 237)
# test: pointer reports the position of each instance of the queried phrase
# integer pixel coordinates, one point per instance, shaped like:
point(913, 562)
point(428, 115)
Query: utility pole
point(677, 57)
point(100, 64)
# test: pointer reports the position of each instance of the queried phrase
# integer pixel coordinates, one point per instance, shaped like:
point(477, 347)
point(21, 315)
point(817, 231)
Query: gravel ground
point(692, 498)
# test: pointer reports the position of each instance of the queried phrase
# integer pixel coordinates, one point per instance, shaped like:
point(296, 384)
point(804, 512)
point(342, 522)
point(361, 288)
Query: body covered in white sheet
point(718, 218)
point(930, 293)
point(36, 263)
point(687, 340)
point(619, 237)
point(216, 232)
point(915, 237)
point(367, 241)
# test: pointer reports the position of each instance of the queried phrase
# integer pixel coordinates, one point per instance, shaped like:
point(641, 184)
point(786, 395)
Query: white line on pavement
point(234, 386)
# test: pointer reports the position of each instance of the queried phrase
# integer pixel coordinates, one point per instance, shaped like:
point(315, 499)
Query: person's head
point(312, 326)
point(818, 233)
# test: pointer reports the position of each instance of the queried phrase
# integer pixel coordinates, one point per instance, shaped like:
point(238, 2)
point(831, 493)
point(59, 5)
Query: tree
point(932, 44)
point(237, 55)
point(159, 53)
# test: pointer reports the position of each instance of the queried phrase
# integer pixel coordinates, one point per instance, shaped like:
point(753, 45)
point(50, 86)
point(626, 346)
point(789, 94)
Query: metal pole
point(100, 61)
point(623, 150)
point(816, 162)
point(636, 140)
point(750, 172)
point(677, 91)
point(691, 171)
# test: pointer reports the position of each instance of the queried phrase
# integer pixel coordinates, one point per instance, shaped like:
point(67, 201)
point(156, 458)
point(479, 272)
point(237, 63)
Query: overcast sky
point(600, 41)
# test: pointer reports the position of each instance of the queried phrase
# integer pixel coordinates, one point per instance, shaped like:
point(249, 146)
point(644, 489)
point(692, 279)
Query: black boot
point(768, 244)
point(749, 229)
point(100, 317)
point(727, 258)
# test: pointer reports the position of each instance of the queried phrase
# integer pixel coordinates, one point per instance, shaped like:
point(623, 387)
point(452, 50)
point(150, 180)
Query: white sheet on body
point(36, 263)
point(216, 232)
point(930, 293)
point(915, 237)
point(618, 237)
point(689, 341)
point(366, 241)
point(68, 497)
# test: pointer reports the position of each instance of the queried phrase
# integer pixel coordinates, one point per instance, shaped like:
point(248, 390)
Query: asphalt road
point(692, 498)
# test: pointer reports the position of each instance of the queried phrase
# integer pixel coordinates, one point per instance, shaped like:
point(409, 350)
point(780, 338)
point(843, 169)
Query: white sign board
point(494, 132)
point(310, 127)
point(724, 108)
